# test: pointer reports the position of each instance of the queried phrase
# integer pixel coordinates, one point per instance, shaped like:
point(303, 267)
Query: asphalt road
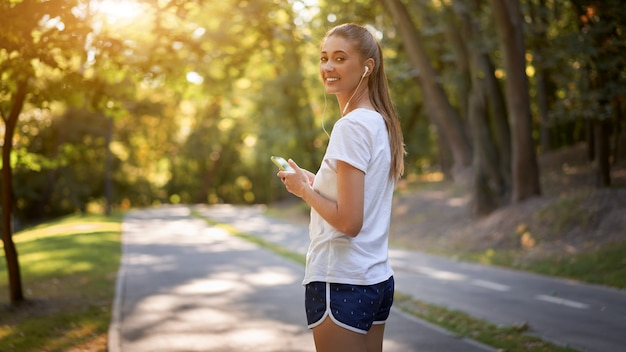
point(184, 285)
point(582, 316)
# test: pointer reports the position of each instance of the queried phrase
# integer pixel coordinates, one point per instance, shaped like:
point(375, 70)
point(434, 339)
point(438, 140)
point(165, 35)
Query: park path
point(184, 285)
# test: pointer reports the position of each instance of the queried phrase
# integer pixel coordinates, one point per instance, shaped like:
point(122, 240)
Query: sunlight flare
point(115, 11)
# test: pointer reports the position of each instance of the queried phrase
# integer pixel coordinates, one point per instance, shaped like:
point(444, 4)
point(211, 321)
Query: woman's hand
point(345, 213)
point(297, 182)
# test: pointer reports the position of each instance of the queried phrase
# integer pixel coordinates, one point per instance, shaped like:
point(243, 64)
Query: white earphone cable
point(324, 114)
point(352, 96)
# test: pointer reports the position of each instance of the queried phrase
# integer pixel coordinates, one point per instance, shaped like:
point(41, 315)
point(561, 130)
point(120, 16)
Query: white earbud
point(367, 69)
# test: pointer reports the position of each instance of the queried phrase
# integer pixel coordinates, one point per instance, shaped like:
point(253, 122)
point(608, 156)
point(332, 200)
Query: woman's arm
point(345, 214)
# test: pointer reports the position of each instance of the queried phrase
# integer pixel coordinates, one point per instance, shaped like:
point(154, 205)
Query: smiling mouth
point(332, 79)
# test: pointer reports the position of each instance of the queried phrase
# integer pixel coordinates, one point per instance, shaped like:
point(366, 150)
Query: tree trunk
point(488, 185)
point(108, 180)
point(591, 140)
point(15, 279)
point(543, 107)
point(602, 148)
point(439, 109)
point(509, 26)
point(484, 69)
point(499, 120)
point(485, 174)
point(462, 73)
point(542, 74)
point(617, 134)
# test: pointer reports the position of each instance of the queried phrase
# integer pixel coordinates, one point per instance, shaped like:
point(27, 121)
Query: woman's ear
point(369, 65)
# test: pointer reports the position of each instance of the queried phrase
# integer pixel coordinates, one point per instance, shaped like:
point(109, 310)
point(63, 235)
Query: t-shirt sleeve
point(350, 142)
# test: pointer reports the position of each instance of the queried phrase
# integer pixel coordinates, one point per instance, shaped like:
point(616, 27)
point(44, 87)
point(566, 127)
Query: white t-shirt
point(360, 139)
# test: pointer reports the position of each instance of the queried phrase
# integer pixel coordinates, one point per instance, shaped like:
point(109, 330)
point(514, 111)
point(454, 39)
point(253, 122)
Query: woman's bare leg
point(330, 337)
point(374, 338)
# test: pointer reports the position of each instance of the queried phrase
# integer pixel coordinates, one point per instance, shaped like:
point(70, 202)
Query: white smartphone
point(282, 164)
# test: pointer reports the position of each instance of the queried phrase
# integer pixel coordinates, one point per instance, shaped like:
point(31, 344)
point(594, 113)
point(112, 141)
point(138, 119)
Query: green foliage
point(23, 159)
point(585, 73)
point(198, 104)
point(70, 173)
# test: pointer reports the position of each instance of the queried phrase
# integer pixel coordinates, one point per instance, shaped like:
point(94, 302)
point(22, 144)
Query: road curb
point(439, 329)
point(114, 343)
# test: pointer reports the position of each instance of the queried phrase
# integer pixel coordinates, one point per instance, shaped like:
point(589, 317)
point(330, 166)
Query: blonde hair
point(369, 47)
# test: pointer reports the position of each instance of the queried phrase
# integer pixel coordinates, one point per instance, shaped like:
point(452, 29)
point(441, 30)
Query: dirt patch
point(572, 216)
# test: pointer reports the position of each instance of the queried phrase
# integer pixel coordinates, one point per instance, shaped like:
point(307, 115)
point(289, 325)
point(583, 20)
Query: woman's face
point(340, 65)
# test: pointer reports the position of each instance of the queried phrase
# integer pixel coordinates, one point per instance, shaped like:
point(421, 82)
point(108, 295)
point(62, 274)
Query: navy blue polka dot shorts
point(354, 307)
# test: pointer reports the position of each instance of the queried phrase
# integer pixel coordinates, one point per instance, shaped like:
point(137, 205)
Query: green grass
point(68, 269)
point(603, 266)
point(606, 266)
point(505, 338)
point(561, 214)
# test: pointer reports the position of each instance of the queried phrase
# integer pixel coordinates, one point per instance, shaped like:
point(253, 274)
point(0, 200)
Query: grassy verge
point(604, 266)
point(504, 338)
point(512, 338)
point(68, 271)
point(283, 252)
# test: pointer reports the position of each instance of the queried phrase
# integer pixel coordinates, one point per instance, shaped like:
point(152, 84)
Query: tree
point(10, 121)
point(509, 26)
point(439, 108)
point(489, 131)
point(601, 31)
point(539, 25)
point(478, 97)
point(198, 103)
point(36, 36)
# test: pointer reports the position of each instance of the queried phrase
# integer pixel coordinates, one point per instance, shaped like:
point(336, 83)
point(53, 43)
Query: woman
point(348, 278)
